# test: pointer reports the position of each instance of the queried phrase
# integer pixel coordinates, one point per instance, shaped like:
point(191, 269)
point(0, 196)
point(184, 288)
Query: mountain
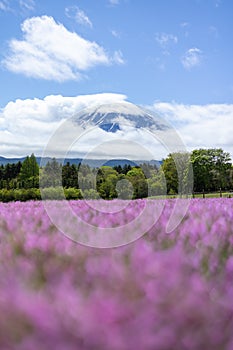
point(110, 126)
point(4, 161)
point(113, 117)
point(93, 163)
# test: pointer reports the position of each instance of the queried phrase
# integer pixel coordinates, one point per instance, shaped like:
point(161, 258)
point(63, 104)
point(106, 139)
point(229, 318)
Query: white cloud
point(82, 18)
point(164, 39)
point(79, 15)
point(201, 125)
point(118, 57)
point(115, 33)
point(27, 4)
point(192, 58)
point(26, 125)
point(4, 5)
point(185, 26)
point(49, 51)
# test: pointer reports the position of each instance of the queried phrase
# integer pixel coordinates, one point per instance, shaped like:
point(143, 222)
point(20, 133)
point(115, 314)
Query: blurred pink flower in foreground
point(162, 292)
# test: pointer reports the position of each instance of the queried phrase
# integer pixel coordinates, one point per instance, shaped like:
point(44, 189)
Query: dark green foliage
point(90, 194)
point(212, 170)
point(86, 177)
point(138, 180)
point(9, 174)
point(29, 173)
point(51, 174)
point(124, 170)
point(72, 193)
point(171, 175)
point(69, 176)
point(19, 194)
point(106, 181)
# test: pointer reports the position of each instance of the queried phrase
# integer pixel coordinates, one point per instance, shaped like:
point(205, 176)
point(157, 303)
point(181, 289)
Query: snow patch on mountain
point(116, 116)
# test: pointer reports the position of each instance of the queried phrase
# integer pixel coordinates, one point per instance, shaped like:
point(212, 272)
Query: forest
point(206, 170)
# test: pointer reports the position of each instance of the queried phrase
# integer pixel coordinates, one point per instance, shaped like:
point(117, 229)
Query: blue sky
point(174, 56)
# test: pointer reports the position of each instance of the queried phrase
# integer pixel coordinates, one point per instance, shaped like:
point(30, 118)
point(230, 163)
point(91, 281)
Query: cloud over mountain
point(27, 125)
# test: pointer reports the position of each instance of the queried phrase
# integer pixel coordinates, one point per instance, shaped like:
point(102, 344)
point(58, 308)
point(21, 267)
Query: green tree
point(29, 172)
point(177, 168)
point(51, 174)
point(69, 176)
point(211, 169)
point(157, 183)
point(106, 181)
point(124, 187)
point(137, 177)
point(169, 168)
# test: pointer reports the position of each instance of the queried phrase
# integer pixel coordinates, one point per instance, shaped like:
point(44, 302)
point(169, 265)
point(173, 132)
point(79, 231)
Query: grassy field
point(196, 195)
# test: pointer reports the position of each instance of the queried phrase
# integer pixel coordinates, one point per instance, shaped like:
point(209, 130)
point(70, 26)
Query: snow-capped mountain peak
point(112, 117)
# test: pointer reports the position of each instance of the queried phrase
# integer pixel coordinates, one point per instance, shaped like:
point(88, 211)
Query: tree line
point(201, 170)
point(211, 169)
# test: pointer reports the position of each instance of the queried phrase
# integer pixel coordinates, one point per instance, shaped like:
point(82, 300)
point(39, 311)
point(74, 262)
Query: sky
point(172, 56)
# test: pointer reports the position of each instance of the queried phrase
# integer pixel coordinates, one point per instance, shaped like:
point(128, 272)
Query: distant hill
point(4, 160)
point(91, 162)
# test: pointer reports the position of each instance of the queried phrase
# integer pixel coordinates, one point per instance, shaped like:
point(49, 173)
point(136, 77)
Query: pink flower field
point(161, 292)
